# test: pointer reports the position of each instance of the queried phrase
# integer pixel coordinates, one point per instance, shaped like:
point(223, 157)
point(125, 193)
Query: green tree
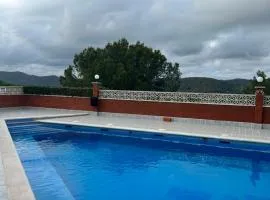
point(2, 83)
point(250, 89)
point(123, 66)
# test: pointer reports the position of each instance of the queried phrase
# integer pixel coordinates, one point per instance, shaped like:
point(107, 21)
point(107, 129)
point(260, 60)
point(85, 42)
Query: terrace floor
point(200, 128)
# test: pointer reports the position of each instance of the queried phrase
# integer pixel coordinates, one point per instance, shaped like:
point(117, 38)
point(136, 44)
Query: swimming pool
point(76, 162)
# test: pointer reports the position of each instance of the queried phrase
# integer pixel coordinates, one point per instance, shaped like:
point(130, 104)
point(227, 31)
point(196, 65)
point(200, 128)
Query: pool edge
point(188, 134)
point(16, 181)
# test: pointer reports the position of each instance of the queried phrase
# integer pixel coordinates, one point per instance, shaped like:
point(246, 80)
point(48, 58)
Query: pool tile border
point(16, 185)
point(163, 131)
point(16, 181)
point(186, 120)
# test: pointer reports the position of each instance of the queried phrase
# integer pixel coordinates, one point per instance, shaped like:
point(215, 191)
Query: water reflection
point(255, 171)
point(157, 151)
point(95, 161)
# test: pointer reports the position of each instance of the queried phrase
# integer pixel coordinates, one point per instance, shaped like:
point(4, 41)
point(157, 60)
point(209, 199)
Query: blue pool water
point(72, 162)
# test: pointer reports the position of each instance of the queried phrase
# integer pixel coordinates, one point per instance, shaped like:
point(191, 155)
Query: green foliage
point(250, 89)
point(2, 83)
point(123, 66)
point(80, 92)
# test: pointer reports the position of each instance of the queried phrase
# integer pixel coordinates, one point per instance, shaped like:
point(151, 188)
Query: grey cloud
point(46, 34)
point(245, 44)
point(188, 50)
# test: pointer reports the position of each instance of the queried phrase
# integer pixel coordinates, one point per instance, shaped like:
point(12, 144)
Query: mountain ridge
point(188, 84)
point(211, 85)
point(20, 78)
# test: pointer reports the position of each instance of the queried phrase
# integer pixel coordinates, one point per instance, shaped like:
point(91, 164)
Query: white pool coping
point(16, 185)
point(16, 181)
point(161, 131)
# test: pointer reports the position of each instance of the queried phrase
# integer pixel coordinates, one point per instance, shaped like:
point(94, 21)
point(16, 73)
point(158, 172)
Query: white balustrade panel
point(266, 100)
point(179, 97)
point(11, 90)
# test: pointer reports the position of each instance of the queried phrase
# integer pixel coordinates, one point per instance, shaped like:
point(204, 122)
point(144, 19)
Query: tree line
point(125, 66)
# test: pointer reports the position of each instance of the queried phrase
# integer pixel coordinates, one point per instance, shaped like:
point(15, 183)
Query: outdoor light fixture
point(259, 79)
point(96, 76)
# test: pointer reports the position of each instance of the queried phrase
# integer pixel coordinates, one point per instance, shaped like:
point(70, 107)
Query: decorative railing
point(266, 100)
point(179, 97)
point(11, 90)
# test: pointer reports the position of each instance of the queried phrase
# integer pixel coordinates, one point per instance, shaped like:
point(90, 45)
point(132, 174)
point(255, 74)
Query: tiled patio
point(201, 128)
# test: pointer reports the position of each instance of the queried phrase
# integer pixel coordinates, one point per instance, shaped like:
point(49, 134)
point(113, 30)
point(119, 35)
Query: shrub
point(64, 91)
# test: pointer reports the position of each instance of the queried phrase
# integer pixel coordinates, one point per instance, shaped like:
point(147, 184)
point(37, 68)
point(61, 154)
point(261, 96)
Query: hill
point(210, 85)
point(2, 83)
point(191, 84)
point(19, 78)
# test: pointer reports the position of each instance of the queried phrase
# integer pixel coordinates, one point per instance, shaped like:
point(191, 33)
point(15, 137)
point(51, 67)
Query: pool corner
point(16, 185)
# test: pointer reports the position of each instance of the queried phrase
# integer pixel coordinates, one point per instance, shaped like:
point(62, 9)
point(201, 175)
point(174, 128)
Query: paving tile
point(3, 193)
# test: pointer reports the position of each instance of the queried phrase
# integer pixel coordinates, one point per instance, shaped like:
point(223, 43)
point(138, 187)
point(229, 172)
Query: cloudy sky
point(215, 38)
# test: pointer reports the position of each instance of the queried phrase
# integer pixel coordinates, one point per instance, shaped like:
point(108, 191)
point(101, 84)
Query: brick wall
point(187, 110)
point(266, 115)
point(74, 103)
point(12, 100)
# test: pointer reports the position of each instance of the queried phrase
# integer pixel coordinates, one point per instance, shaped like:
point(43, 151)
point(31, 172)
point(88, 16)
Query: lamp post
point(259, 88)
point(95, 94)
point(259, 79)
point(259, 101)
point(96, 77)
point(96, 86)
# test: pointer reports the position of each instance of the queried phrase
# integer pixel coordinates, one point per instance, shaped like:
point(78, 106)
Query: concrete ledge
point(185, 120)
point(266, 126)
point(162, 131)
point(49, 116)
point(43, 116)
point(16, 181)
point(16, 185)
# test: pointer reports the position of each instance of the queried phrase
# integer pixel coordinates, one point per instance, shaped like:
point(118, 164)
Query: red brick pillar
point(259, 104)
point(95, 94)
point(95, 89)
